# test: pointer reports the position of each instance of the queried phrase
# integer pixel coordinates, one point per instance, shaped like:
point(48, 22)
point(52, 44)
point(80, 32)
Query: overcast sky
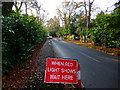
point(51, 5)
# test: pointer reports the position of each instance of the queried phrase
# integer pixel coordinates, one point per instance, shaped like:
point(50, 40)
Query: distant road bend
point(98, 69)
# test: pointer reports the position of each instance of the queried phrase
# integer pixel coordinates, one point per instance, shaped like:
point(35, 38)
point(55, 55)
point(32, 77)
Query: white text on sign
point(69, 64)
point(61, 70)
point(64, 77)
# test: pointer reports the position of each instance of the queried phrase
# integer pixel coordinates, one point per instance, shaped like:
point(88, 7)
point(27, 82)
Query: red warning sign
point(61, 71)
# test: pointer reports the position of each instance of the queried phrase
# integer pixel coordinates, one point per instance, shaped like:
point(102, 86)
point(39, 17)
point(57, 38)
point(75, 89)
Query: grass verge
point(111, 51)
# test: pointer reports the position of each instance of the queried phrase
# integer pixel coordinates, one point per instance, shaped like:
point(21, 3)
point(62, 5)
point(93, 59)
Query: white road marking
point(79, 52)
point(89, 57)
point(109, 59)
point(63, 42)
point(86, 55)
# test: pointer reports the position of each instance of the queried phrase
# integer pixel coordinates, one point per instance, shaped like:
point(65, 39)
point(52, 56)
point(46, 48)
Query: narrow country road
point(98, 70)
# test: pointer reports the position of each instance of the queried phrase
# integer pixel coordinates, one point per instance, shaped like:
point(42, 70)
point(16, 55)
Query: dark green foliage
point(107, 30)
point(20, 34)
point(53, 33)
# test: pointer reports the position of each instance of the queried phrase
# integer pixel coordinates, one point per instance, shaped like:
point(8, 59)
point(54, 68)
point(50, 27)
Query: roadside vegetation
point(104, 30)
point(21, 34)
point(111, 51)
point(24, 34)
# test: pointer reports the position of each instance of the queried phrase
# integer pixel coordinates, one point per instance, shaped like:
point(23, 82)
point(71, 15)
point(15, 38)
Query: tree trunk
point(65, 21)
point(7, 8)
point(88, 16)
point(89, 13)
point(18, 8)
point(25, 7)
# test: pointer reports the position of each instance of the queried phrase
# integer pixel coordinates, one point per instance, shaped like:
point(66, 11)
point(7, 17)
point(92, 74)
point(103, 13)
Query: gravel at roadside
point(37, 80)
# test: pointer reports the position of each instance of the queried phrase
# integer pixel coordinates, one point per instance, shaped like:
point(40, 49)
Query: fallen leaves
point(111, 51)
point(22, 73)
point(31, 76)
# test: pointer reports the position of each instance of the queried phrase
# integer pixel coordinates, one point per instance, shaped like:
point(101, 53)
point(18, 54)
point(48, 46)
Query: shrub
point(20, 34)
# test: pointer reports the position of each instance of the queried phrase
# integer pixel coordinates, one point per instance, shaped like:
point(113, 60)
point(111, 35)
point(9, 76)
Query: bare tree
point(60, 16)
point(87, 8)
point(87, 5)
point(18, 5)
point(26, 9)
point(65, 12)
point(53, 24)
point(29, 5)
point(40, 12)
point(89, 13)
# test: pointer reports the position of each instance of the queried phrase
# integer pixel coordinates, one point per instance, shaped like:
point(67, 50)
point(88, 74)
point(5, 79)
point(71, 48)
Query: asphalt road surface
point(98, 70)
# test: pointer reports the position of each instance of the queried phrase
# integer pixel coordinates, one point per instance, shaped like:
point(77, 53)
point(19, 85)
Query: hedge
point(20, 34)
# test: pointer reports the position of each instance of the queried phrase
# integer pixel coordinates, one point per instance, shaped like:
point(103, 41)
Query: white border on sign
point(62, 82)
